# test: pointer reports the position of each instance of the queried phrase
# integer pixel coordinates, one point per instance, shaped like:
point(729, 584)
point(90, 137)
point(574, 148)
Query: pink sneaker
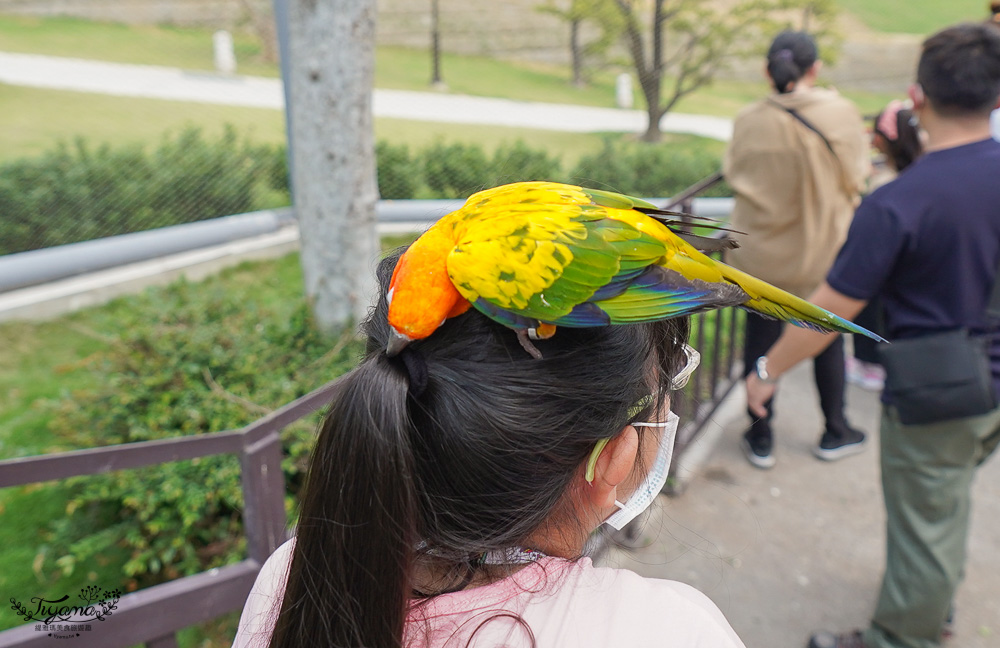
point(866, 375)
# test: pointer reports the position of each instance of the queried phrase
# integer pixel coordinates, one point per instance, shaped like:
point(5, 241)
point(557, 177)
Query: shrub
point(455, 170)
point(76, 193)
point(192, 359)
point(399, 175)
point(642, 169)
point(518, 162)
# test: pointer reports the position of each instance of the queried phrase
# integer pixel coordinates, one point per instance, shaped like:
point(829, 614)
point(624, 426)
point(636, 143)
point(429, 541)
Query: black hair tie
point(416, 370)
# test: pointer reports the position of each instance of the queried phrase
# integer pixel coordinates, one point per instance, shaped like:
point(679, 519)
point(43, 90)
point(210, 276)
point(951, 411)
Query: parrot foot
point(522, 337)
point(543, 331)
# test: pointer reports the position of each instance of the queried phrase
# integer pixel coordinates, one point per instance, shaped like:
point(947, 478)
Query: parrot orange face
point(421, 295)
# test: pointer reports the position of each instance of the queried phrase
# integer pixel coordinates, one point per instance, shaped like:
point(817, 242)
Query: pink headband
point(887, 120)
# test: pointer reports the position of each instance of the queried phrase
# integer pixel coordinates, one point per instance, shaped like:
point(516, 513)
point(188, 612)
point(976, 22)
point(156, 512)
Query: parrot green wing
point(546, 252)
point(542, 262)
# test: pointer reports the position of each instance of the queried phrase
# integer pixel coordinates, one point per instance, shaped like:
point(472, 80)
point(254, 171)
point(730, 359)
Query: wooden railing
point(153, 616)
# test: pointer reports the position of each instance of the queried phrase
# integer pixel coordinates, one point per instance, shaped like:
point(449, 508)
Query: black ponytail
point(349, 581)
point(789, 58)
point(426, 463)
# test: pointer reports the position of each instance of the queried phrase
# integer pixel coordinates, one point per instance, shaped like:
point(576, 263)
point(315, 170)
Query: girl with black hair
point(453, 487)
point(797, 162)
point(895, 135)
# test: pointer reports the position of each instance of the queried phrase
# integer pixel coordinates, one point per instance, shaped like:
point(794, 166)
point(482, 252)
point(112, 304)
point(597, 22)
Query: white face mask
point(647, 491)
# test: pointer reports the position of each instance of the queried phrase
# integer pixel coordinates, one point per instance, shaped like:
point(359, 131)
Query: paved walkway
point(258, 92)
point(801, 547)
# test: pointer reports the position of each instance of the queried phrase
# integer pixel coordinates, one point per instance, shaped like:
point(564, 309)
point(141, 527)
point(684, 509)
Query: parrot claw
point(522, 337)
point(543, 331)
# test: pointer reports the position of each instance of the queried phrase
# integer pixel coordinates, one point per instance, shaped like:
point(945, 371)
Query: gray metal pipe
point(50, 264)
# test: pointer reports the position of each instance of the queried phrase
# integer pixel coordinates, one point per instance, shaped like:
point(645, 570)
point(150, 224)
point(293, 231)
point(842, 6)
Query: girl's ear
point(613, 467)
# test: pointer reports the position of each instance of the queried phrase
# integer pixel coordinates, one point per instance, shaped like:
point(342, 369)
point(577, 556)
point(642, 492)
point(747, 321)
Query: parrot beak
point(397, 343)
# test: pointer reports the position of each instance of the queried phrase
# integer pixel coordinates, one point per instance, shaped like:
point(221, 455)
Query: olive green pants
point(927, 473)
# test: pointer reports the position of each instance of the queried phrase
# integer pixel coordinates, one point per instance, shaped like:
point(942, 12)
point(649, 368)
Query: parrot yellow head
point(421, 296)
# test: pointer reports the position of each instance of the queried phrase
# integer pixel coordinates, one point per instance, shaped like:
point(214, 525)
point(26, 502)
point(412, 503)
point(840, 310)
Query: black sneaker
point(837, 446)
point(757, 448)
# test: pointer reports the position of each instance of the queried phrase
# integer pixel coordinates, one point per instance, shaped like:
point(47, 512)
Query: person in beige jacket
point(797, 163)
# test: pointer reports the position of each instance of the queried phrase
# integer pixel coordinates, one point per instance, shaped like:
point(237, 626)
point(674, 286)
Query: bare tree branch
point(706, 38)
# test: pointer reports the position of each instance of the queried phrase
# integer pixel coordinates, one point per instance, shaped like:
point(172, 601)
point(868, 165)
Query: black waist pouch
point(939, 377)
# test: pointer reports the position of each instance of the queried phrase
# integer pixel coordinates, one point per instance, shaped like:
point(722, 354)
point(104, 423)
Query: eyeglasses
point(682, 377)
point(677, 382)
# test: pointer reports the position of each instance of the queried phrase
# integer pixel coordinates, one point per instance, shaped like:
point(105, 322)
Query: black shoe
point(837, 446)
point(757, 448)
point(830, 640)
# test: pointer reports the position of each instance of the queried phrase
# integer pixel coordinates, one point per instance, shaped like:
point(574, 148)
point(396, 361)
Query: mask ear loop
point(600, 445)
point(592, 461)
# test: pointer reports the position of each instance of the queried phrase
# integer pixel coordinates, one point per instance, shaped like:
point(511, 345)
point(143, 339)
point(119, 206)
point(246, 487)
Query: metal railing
point(718, 336)
point(154, 615)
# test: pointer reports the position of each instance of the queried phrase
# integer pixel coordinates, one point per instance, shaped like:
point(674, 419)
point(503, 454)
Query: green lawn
point(37, 119)
point(144, 44)
point(914, 16)
point(43, 363)
point(191, 48)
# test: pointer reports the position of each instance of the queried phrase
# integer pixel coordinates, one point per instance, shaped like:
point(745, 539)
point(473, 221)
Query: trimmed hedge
point(77, 193)
point(641, 169)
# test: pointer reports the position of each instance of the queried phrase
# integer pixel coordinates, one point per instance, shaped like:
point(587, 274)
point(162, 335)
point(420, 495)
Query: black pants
point(828, 368)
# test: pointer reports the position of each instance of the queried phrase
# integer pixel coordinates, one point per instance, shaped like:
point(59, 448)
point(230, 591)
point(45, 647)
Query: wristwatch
point(762, 374)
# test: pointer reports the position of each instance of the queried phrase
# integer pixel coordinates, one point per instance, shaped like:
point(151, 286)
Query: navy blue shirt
point(928, 244)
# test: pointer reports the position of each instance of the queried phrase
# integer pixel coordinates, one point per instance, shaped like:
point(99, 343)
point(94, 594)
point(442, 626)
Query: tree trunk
point(331, 69)
point(649, 73)
point(654, 113)
point(576, 52)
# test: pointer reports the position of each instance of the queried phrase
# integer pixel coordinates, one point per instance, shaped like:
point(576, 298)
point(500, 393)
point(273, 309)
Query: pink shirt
point(564, 603)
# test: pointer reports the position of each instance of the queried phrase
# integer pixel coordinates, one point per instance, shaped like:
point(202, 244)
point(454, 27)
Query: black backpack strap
point(845, 181)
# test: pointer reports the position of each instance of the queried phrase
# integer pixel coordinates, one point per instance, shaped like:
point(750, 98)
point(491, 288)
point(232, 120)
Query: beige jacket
point(795, 200)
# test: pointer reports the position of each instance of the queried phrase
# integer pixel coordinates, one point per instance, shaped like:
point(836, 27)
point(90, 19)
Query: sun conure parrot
point(537, 255)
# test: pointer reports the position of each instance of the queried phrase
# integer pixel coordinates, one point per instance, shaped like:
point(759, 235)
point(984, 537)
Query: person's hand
point(758, 393)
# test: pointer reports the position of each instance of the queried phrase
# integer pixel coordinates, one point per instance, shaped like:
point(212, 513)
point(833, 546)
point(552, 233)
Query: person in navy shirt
point(928, 245)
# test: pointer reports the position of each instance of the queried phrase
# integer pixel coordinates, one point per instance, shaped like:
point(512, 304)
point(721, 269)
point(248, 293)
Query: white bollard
point(623, 90)
point(225, 56)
